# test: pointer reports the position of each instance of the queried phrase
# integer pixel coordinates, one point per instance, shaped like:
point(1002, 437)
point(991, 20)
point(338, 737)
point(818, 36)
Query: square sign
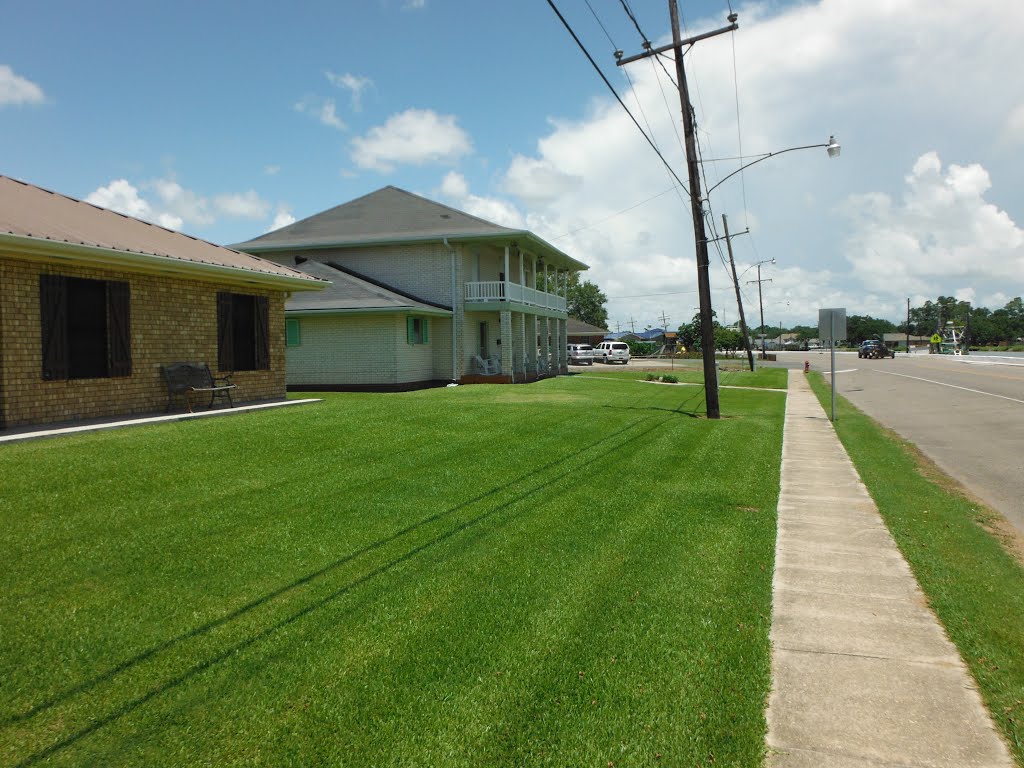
point(832, 324)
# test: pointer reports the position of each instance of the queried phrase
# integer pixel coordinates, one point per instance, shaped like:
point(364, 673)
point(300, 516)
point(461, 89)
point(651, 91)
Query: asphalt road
point(965, 413)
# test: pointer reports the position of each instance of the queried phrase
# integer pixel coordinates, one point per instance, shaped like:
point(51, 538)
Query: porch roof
point(392, 216)
point(351, 292)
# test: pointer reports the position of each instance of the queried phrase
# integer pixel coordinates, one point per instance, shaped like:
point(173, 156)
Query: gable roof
point(350, 292)
point(36, 221)
point(392, 216)
point(576, 327)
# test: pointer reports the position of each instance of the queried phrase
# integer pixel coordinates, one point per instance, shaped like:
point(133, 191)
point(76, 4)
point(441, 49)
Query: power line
point(617, 213)
point(597, 69)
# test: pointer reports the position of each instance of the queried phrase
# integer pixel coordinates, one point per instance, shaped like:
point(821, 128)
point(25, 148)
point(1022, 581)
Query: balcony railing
point(502, 290)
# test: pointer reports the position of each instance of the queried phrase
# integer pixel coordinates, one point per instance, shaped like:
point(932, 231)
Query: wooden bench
point(185, 379)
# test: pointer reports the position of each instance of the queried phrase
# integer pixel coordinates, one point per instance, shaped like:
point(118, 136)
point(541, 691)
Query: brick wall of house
point(172, 320)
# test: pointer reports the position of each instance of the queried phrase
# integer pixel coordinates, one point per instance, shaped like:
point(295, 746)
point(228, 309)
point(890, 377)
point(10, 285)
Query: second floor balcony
point(497, 291)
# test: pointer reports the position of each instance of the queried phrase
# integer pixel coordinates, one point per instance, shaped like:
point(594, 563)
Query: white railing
point(503, 290)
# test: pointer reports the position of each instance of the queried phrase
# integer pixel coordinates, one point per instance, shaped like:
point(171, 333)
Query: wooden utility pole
point(739, 299)
point(760, 303)
point(707, 329)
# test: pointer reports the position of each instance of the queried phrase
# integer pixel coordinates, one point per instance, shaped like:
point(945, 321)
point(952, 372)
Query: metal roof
point(349, 292)
point(393, 216)
point(33, 218)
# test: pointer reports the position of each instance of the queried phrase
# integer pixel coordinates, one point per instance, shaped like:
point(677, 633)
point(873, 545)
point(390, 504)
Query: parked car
point(612, 352)
point(581, 354)
point(874, 349)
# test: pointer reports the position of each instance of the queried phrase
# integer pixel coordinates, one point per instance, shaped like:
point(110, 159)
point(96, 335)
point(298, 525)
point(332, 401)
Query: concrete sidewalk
point(863, 674)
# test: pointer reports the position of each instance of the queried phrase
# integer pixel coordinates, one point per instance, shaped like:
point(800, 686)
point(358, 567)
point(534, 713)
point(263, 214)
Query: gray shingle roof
point(351, 293)
point(33, 216)
point(392, 216)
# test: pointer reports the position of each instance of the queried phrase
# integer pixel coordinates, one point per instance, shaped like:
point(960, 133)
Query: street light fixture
point(832, 147)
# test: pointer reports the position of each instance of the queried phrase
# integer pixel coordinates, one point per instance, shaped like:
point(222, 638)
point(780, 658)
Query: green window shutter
point(293, 337)
point(410, 330)
point(425, 324)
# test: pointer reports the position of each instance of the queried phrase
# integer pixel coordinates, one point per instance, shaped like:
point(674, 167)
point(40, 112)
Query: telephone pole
point(707, 330)
point(760, 302)
point(739, 299)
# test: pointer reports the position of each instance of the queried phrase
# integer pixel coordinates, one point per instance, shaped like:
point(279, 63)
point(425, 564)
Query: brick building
point(93, 302)
point(422, 293)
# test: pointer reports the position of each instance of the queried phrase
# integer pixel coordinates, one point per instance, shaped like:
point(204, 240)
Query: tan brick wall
point(172, 320)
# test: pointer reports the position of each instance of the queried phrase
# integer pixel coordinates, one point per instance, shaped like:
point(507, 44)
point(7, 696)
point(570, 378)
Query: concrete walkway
point(863, 674)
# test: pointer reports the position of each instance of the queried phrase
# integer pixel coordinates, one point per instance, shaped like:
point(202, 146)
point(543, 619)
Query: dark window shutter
point(225, 334)
point(53, 319)
point(119, 337)
point(262, 324)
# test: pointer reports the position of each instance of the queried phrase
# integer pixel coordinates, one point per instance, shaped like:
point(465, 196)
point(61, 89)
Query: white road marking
point(954, 386)
point(845, 370)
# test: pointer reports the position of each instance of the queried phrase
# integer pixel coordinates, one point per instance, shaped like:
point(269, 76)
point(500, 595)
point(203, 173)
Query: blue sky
point(222, 119)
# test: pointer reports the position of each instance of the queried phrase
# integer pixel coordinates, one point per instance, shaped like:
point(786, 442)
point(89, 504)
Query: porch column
point(506, 341)
point(505, 273)
point(518, 343)
point(563, 341)
point(545, 344)
point(532, 328)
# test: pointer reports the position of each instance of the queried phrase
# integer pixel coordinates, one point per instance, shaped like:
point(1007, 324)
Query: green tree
point(586, 302)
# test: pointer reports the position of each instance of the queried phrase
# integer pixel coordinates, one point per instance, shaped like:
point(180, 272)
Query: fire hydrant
point(807, 366)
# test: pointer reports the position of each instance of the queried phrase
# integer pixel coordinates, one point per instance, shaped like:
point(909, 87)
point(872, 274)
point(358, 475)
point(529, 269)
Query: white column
point(516, 342)
point(505, 273)
point(563, 342)
point(506, 341)
point(545, 343)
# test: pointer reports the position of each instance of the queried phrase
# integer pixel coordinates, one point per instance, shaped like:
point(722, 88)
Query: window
point(292, 336)
point(243, 337)
point(86, 333)
point(417, 330)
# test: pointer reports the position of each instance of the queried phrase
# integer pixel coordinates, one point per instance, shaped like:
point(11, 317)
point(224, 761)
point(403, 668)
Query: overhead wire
point(615, 93)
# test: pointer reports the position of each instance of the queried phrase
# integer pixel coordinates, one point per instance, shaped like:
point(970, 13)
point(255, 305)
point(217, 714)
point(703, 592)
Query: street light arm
point(755, 162)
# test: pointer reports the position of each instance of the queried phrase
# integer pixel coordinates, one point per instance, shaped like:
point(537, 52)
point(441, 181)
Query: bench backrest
point(183, 376)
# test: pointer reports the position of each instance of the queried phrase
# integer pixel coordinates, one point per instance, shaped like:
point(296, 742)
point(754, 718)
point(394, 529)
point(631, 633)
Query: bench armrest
point(222, 380)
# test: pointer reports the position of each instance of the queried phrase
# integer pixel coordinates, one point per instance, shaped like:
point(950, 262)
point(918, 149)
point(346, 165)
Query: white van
point(612, 352)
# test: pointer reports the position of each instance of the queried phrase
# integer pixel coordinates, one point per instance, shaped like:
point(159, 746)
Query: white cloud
point(884, 88)
point(538, 181)
point(282, 218)
point(183, 204)
point(121, 196)
point(415, 4)
point(247, 205)
point(272, 170)
point(1013, 130)
point(326, 112)
point(15, 89)
point(942, 236)
point(455, 189)
point(454, 185)
point(355, 84)
point(413, 137)
point(175, 207)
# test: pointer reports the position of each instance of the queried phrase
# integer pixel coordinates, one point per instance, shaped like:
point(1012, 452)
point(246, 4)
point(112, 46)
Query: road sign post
point(832, 326)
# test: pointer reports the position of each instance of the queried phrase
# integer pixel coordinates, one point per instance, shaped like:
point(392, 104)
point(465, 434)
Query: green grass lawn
point(972, 582)
point(574, 572)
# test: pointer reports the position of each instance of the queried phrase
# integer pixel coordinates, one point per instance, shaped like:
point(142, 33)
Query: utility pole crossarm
point(688, 41)
point(707, 330)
